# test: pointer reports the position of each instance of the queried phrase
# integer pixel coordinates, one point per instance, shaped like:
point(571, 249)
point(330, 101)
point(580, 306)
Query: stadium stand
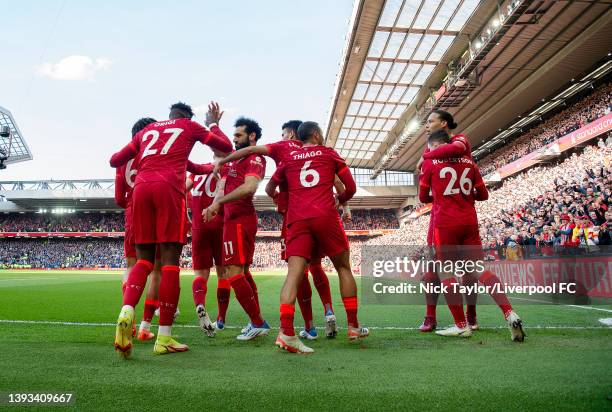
point(591, 107)
point(113, 222)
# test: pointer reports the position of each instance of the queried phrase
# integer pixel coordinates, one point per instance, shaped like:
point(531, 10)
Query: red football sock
point(304, 298)
point(246, 298)
point(149, 309)
point(137, 279)
point(169, 291)
point(489, 279)
point(454, 302)
point(431, 299)
point(223, 298)
point(199, 291)
point(321, 283)
point(123, 286)
point(287, 312)
point(350, 305)
point(249, 278)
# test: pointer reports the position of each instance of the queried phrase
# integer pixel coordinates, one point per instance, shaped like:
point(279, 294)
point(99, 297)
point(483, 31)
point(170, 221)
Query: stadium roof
point(499, 62)
point(98, 195)
point(19, 150)
point(393, 48)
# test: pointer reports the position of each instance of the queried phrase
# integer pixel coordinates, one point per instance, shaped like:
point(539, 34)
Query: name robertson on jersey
point(305, 155)
point(452, 160)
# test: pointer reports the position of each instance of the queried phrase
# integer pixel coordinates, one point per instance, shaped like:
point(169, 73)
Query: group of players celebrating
point(157, 184)
point(154, 187)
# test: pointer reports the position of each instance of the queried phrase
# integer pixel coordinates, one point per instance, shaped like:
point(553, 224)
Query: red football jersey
point(163, 149)
point(202, 196)
point(279, 152)
point(234, 175)
point(309, 173)
point(452, 183)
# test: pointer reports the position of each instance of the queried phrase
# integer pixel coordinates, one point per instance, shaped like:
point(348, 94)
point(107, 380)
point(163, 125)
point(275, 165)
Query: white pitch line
point(569, 306)
point(106, 324)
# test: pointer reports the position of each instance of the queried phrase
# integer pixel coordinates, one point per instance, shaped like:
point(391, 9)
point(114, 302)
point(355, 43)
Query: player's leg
point(431, 279)
point(493, 284)
point(321, 282)
point(286, 338)
point(304, 298)
point(238, 249)
point(151, 303)
point(249, 277)
point(446, 241)
point(202, 262)
point(471, 298)
point(171, 234)
point(223, 297)
point(135, 285)
point(169, 292)
point(130, 262)
point(331, 241)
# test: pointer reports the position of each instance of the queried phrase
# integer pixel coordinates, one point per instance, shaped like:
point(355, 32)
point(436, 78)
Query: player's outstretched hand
point(216, 171)
point(346, 213)
point(214, 114)
point(210, 212)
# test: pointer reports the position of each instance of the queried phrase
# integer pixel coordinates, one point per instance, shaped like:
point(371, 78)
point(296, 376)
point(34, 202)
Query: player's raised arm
point(214, 138)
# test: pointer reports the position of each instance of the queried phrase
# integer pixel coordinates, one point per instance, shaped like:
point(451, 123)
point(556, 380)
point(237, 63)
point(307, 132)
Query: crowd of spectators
point(61, 253)
point(78, 222)
point(595, 105)
point(113, 222)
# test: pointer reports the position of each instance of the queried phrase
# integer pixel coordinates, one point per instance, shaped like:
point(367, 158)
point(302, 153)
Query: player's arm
point(425, 184)
point(188, 182)
point(454, 149)
point(340, 188)
point(124, 155)
point(213, 138)
point(120, 188)
point(480, 189)
point(350, 187)
point(199, 169)
point(248, 188)
point(274, 182)
point(239, 154)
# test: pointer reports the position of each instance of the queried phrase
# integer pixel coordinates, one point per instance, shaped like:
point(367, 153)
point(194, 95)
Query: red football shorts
point(239, 240)
point(206, 244)
point(158, 214)
point(129, 245)
point(458, 242)
point(316, 237)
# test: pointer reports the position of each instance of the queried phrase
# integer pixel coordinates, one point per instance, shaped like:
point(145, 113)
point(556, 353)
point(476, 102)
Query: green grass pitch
point(565, 363)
